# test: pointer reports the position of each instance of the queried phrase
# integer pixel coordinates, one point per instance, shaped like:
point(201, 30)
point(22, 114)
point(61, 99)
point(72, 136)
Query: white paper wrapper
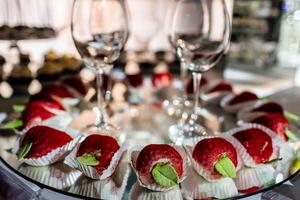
point(91, 172)
point(110, 188)
point(189, 147)
point(254, 177)
point(134, 153)
point(56, 154)
point(196, 187)
point(139, 193)
point(287, 154)
point(247, 159)
point(58, 175)
point(234, 108)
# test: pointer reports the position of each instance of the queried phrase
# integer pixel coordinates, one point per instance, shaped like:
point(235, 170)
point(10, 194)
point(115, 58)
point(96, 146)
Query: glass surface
point(200, 33)
point(99, 36)
point(146, 127)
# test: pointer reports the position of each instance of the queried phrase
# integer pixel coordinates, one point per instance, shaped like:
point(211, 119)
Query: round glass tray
point(142, 125)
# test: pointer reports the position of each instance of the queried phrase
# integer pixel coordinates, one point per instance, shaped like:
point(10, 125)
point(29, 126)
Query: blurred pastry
point(70, 63)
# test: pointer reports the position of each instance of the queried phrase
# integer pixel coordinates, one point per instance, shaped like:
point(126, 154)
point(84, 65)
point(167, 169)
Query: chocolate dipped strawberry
point(257, 143)
point(97, 151)
point(215, 158)
point(276, 122)
point(159, 164)
point(41, 140)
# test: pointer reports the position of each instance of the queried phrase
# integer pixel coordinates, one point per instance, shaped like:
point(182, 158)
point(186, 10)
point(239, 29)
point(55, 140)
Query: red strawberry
point(162, 79)
point(209, 151)
point(243, 97)
point(257, 143)
point(250, 190)
point(276, 122)
point(76, 83)
point(155, 154)
point(190, 85)
point(39, 110)
point(43, 140)
point(101, 147)
point(135, 80)
point(269, 107)
point(51, 92)
point(221, 87)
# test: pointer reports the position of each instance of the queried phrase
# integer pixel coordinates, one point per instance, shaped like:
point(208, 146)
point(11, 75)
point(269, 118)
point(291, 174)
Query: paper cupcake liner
point(247, 159)
point(91, 172)
point(287, 154)
point(254, 177)
point(214, 97)
point(189, 147)
point(155, 187)
point(196, 187)
point(234, 108)
point(110, 188)
point(139, 193)
point(56, 154)
point(58, 175)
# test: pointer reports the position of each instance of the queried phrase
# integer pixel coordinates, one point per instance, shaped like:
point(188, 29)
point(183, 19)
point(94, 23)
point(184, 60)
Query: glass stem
point(196, 80)
point(99, 109)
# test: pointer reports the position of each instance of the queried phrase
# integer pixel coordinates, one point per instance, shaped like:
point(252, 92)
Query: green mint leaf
point(273, 161)
point(12, 124)
point(9, 150)
point(19, 107)
point(265, 98)
point(295, 166)
point(291, 135)
point(225, 167)
point(89, 160)
point(291, 117)
point(24, 151)
point(165, 175)
point(270, 183)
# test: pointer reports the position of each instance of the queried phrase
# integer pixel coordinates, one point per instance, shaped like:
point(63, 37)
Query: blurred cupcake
point(51, 68)
point(71, 64)
point(21, 75)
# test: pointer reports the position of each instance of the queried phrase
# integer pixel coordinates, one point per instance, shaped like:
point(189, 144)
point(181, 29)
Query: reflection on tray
point(110, 188)
point(58, 175)
point(139, 193)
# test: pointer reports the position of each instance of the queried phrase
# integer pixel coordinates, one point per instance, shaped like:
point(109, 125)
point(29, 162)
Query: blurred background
point(264, 51)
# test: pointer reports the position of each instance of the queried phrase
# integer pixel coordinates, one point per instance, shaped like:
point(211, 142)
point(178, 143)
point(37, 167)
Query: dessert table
point(59, 181)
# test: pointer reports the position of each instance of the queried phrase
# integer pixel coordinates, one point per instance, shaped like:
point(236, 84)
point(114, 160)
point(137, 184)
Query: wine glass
point(200, 33)
point(100, 31)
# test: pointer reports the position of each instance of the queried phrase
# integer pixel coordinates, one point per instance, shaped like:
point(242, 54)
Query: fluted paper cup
point(90, 171)
point(189, 145)
point(56, 154)
point(196, 187)
point(134, 153)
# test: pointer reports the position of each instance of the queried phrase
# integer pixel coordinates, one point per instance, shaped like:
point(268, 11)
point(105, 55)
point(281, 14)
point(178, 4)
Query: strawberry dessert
point(276, 122)
point(222, 86)
point(41, 140)
point(39, 110)
point(135, 80)
point(97, 151)
point(269, 107)
point(243, 97)
point(217, 157)
point(257, 143)
point(161, 164)
point(162, 79)
point(53, 92)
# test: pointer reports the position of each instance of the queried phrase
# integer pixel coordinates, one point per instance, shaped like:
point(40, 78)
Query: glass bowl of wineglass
point(200, 34)
point(99, 30)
